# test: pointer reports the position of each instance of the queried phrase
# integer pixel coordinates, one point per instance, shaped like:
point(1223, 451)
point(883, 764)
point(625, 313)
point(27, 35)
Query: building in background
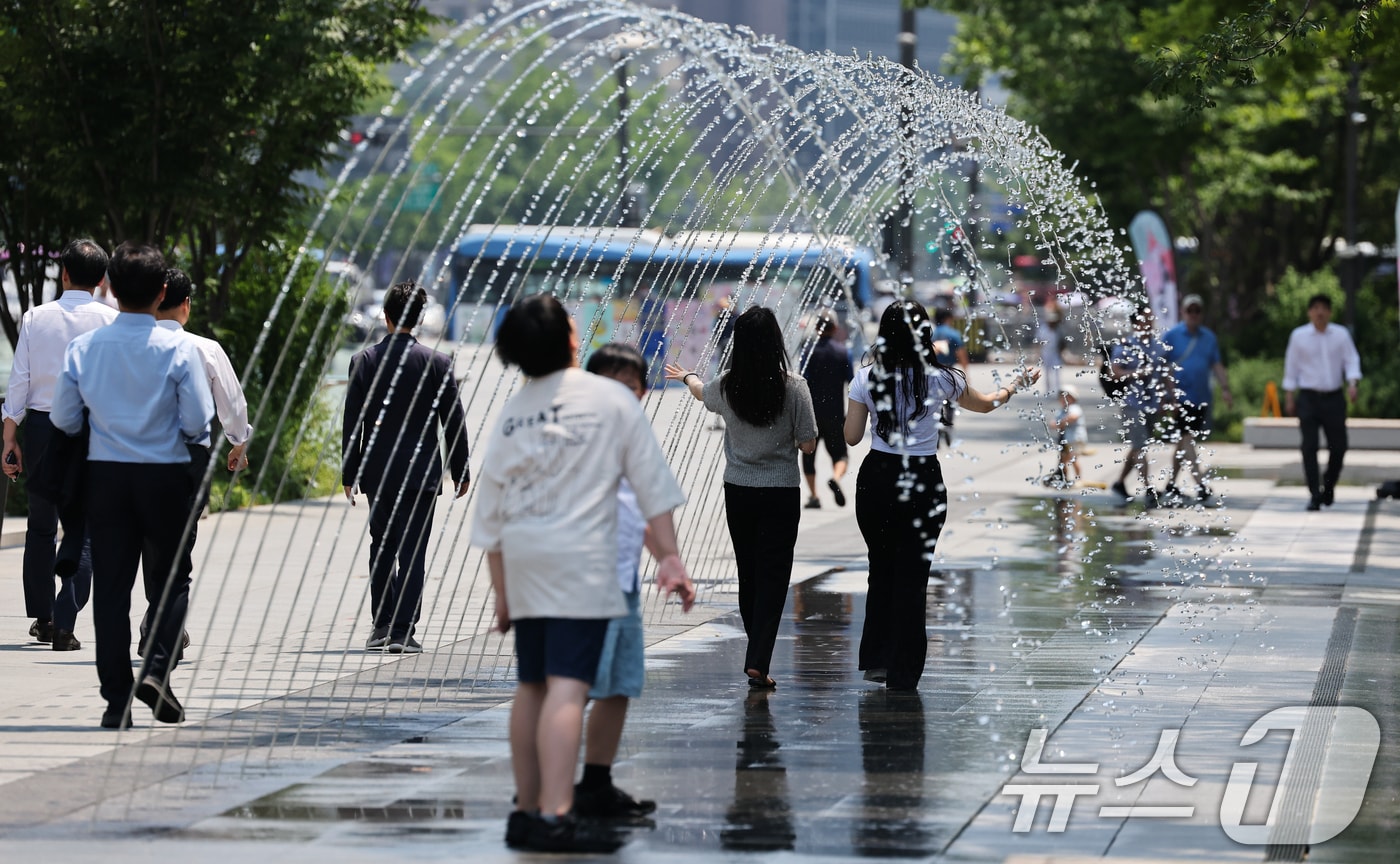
point(839, 26)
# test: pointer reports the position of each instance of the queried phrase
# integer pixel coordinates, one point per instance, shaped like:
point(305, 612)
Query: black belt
point(1321, 392)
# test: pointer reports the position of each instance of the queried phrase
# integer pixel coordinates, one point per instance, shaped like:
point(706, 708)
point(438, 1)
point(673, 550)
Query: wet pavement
point(1116, 636)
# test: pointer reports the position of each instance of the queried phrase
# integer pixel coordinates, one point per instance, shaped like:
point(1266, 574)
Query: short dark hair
point(85, 262)
point(616, 358)
point(178, 288)
point(1324, 299)
point(534, 335)
point(404, 303)
point(138, 274)
point(942, 316)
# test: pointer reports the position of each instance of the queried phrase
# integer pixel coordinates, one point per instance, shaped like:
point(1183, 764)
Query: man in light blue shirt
point(1194, 353)
point(146, 398)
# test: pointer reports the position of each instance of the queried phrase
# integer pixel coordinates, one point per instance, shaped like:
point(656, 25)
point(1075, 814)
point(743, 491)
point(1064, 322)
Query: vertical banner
point(1153, 247)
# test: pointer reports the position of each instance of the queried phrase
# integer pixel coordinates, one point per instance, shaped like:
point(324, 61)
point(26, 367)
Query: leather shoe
point(41, 630)
point(64, 640)
point(163, 704)
point(116, 717)
point(1327, 497)
point(1315, 504)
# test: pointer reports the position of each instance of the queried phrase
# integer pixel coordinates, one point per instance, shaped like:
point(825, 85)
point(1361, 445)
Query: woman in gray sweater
point(768, 417)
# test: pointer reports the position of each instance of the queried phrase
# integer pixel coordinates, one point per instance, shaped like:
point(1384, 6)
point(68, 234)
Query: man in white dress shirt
point(1320, 358)
point(44, 334)
point(229, 402)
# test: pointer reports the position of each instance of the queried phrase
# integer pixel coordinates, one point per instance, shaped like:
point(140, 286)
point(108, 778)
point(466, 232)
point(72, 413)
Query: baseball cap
point(1193, 300)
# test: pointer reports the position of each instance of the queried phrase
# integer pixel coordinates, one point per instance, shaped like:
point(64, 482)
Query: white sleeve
point(1352, 366)
point(229, 402)
point(1291, 360)
point(644, 465)
point(17, 391)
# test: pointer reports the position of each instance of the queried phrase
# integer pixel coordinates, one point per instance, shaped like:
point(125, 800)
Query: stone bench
point(1363, 433)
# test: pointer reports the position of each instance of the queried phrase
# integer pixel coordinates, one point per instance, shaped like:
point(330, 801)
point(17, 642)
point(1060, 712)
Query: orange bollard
point(1270, 408)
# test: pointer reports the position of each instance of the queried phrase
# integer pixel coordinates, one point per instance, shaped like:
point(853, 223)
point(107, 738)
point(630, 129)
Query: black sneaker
point(837, 493)
point(403, 645)
point(567, 834)
point(1172, 495)
point(1121, 490)
point(1203, 494)
point(813, 503)
point(608, 802)
point(1151, 499)
point(1327, 497)
point(116, 717)
point(518, 828)
point(378, 639)
point(156, 694)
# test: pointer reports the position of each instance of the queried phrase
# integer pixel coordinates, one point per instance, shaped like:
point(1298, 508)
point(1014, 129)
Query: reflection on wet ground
point(827, 764)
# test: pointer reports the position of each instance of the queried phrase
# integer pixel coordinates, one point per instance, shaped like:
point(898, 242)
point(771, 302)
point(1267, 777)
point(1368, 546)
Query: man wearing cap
point(1194, 353)
point(1320, 358)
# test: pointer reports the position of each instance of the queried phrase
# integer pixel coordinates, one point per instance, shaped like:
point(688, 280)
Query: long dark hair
point(755, 385)
point(903, 354)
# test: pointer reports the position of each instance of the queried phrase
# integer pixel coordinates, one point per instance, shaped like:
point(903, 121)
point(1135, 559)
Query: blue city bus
point(653, 290)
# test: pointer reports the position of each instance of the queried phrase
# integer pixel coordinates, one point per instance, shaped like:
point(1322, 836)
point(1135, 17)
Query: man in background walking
point(1194, 353)
point(398, 394)
point(44, 334)
point(828, 370)
point(1321, 358)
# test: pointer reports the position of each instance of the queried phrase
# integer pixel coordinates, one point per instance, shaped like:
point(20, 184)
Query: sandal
point(759, 680)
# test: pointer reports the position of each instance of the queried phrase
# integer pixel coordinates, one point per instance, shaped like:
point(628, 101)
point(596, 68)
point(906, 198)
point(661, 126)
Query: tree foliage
point(194, 124)
point(1242, 146)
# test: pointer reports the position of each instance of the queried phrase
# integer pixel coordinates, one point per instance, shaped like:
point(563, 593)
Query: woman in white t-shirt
point(901, 502)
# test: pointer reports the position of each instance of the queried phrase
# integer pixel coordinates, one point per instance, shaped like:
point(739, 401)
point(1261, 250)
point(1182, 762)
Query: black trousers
point(41, 535)
point(1328, 412)
point(763, 528)
point(900, 511)
point(398, 552)
point(131, 507)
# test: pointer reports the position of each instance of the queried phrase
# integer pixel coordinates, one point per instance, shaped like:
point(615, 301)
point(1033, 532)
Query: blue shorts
point(621, 669)
point(562, 647)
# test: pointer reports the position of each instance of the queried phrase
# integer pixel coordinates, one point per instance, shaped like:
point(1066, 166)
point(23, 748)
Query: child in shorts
point(547, 517)
point(621, 669)
point(1069, 424)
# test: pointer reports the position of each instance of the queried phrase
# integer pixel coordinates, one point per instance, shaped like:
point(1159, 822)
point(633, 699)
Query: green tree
point(190, 124)
point(1254, 170)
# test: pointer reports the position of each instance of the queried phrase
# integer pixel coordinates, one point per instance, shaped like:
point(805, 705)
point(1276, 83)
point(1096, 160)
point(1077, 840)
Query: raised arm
point(983, 403)
point(692, 380)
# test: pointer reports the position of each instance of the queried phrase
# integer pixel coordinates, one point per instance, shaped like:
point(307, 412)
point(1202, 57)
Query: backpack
point(1113, 386)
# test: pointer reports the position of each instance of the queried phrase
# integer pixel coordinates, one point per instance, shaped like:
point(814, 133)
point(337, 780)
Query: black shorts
point(1195, 419)
point(564, 647)
point(832, 433)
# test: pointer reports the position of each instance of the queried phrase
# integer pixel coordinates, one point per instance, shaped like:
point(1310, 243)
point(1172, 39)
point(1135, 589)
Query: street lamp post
point(623, 46)
point(904, 215)
point(1351, 265)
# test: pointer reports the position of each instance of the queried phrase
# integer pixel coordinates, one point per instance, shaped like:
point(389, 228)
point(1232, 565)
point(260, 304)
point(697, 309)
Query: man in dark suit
point(399, 392)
